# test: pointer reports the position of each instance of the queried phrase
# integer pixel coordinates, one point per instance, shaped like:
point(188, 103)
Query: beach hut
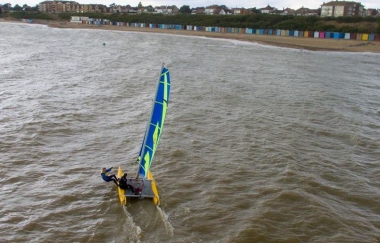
point(261, 31)
point(278, 32)
point(371, 37)
point(365, 37)
point(322, 34)
point(377, 37)
point(359, 36)
point(353, 36)
point(316, 34)
point(287, 32)
point(296, 33)
point(300, 33)
point(291, 32)
point(338, 35)
point(347, 36)
point(283, 32)
point(257, 31)
point(328, 35)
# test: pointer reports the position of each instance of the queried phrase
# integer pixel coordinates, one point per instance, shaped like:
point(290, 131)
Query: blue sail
point(155, 124)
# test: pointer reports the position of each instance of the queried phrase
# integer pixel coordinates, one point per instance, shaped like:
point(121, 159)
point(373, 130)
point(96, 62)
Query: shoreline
point(302, 43)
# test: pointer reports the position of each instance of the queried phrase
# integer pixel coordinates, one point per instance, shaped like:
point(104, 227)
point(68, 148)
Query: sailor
point(123, 183)
point(107, 177)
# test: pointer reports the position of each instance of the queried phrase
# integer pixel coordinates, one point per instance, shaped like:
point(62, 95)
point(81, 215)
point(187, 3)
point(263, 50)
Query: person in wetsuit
point(123, 183)
point(107, 177)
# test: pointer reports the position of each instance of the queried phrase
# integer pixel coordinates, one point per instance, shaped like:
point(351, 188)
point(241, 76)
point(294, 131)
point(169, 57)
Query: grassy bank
point(256, 21)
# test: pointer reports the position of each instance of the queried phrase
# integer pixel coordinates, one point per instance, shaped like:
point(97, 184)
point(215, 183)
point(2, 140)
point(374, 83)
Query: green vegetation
point(27, 15)
point(262, 21)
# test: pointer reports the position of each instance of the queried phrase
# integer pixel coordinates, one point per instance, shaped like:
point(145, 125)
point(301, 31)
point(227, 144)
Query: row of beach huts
point(278, 32)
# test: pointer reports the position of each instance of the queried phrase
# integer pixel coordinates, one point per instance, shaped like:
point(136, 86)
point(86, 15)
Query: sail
point(155, 124)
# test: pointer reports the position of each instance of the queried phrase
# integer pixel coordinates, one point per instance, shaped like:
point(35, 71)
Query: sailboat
point(143, 184)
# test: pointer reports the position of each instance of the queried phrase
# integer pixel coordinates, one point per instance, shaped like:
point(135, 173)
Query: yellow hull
point(153, 186)
point(121, 192)
point(156, 198)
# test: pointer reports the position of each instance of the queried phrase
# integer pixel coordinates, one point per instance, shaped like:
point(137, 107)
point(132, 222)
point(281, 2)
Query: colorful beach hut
point(365, 37)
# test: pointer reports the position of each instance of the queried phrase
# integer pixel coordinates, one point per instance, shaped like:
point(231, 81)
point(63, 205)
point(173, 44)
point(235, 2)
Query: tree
point(150, 8)
point(17, 8)
point(254, 10)
point(185, 9)
point(140, 5)
point(112, 5)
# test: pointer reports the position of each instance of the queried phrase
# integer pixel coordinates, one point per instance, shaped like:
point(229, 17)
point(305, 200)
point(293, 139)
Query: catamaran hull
point(142, 189)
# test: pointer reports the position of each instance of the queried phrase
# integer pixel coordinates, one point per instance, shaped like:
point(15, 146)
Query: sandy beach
point(314, 44)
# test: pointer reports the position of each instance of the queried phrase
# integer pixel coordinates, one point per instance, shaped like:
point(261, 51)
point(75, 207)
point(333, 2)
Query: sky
point(279, 4)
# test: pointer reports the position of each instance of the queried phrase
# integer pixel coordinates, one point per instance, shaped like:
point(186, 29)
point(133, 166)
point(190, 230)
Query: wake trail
point(169, 228)
point(134, 229)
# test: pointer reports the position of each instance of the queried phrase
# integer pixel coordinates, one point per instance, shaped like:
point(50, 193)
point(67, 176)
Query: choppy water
point(261, 144)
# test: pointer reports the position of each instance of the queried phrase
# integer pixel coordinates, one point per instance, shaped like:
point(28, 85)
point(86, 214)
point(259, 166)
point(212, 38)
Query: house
point(133, 10)
point(289, 11)
point(239, 11)
point(165, 9)
point(215, 9)
point(210, 9)
point(198, 10)
point(268, 9)
point(306, 12)
point(222, 11)
point(6, 6)
point(370, 12)
point(119, 9)
point(342, 8)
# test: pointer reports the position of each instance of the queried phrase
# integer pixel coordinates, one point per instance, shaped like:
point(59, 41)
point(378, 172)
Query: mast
point(147, 127)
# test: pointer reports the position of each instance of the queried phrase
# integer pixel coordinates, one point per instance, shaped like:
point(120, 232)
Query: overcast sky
point(294, 4)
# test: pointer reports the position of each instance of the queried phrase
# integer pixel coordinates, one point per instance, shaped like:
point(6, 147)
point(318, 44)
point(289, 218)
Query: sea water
point(260, 144)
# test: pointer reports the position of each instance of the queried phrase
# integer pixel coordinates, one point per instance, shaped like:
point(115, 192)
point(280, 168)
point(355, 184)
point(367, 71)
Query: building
point(6, 6)
point(341, 8)
point(239, 11)
point(166, 9)
point(306, 12)
point(70, 6)
point(198, 10)
point(268, 9)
